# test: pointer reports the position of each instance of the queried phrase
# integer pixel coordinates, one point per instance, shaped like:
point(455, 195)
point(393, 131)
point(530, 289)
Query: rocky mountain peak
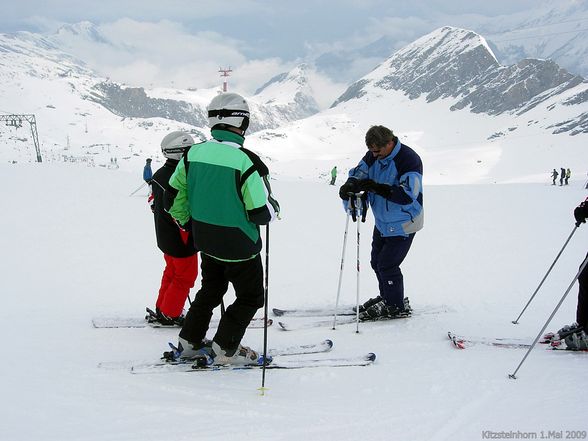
point(457, 63)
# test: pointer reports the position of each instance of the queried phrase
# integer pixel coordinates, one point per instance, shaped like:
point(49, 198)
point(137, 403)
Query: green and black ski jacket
point(223, 190)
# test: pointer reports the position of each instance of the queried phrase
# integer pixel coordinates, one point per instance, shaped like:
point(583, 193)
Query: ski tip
point(283, 326)
point(278, 312)
point(370, 357)
point(457, 342)
point(270, 322)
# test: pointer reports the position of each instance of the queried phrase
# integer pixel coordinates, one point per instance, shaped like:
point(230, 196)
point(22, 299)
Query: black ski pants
point(247, 280)
point(582, 308)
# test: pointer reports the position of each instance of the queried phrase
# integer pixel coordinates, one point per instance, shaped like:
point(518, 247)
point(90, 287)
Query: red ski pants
point(179, 276)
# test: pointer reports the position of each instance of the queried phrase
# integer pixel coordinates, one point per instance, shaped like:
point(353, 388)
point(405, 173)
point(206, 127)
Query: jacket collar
point(226, 135)
point(392, 154)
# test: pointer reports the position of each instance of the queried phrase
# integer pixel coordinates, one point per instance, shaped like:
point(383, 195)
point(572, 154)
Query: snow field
point(78, 246)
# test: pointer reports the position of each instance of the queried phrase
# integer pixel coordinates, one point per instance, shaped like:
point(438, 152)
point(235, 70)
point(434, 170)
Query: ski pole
point(358, 203)
point(514, 374)
point(265, 309)
point(341, 270)
point(142, 185)
point(545, 277)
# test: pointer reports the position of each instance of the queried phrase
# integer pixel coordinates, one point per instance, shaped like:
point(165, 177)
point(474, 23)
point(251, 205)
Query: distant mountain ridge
point(31, 55)
point(457, 63)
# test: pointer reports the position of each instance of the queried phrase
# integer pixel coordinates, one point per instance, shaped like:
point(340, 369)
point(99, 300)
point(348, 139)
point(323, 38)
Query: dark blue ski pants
point(387, 255)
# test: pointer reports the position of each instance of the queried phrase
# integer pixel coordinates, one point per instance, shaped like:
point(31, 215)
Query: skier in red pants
point(175, 241)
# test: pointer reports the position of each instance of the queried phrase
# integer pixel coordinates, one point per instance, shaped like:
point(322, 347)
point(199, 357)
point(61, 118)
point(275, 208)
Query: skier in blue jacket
point(391, 173)
point(147, 172)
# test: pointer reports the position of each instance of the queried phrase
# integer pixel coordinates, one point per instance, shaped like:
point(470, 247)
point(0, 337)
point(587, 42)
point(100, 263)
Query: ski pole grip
point(353, 207)
point(363, 206)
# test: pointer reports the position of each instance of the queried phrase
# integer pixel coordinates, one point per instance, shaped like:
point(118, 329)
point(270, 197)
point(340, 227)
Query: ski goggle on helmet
point(174, 144)
point(228, 109)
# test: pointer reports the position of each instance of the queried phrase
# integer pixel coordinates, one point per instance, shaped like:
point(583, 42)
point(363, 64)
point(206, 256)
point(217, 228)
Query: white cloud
point(184, 42)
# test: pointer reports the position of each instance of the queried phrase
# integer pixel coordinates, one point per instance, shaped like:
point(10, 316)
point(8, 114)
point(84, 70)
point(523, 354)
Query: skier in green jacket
point(223, 195)
point(333, 175)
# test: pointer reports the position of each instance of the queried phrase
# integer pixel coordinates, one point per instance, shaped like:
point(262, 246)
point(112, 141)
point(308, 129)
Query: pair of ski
point(554, 341)
point(280, 360)
point(345, 315)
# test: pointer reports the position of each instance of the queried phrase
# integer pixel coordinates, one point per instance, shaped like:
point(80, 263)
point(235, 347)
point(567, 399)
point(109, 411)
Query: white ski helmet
point(174, 144)
point(229, 109)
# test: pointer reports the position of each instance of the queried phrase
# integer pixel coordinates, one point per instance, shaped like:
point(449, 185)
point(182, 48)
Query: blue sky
point(182, 42)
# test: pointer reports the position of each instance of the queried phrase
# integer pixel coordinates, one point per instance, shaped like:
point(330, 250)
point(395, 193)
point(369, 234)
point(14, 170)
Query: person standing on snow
point(392, 174)
point(575, 334)
point(562, 175)
point(176, 243)
point(568, 175)
point(223, 191)
point(333, 175)
point(147, 172)
point(554, 175)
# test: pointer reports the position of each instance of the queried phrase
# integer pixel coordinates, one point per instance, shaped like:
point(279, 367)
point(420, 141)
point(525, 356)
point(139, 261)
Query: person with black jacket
point(175, 241)
point(576, 334)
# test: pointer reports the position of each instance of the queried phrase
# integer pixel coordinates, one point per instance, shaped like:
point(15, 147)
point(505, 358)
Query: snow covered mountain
point(283, 99)
point(557, 33)
point(550, 31)
point(447, 96)
point(289, 93)
point(78, 110)
point(457, 63)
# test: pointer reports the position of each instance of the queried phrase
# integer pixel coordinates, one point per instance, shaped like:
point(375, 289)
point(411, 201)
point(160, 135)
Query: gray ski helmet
point(229, 109)
point(174, 144)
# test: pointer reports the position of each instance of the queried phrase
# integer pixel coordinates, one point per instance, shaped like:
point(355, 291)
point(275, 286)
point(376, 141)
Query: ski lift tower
point(15, 120)
point(225, 74)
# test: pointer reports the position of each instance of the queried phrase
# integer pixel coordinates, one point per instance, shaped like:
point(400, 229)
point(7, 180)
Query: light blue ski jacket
point(401, 213)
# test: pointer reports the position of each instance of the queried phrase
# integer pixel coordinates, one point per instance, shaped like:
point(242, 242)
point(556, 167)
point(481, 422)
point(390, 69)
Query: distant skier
point(568, 175)
point(175, 242)
point(333, 175)
point(554, 175)
point(222, 190)
point(147, 172)
point(576, 332)
point(562, 176)
point(392, 174)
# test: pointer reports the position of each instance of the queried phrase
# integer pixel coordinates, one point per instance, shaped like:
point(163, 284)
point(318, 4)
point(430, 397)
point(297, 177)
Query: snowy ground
point(77, 246)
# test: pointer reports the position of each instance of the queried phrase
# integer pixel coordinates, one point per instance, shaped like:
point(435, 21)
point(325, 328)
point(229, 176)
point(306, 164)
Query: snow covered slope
point(78, 246)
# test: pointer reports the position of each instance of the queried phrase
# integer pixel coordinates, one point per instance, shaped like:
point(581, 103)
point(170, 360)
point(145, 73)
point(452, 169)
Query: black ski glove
point(374, 187)
point(581, 213)
point(393, 193)
point(350, 186)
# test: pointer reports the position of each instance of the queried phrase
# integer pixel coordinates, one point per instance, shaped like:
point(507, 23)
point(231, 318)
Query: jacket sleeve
point(410, 176)
point(260, 204)
point(179, 207)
